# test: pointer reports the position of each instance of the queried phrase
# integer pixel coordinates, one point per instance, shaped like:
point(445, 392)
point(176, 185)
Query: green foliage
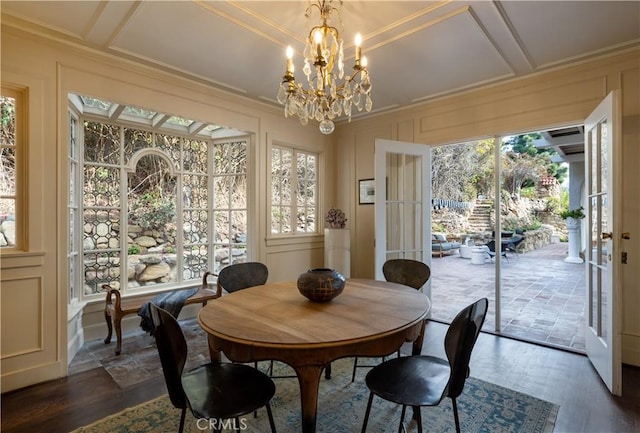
point(528, 192)
point(524, 145)
point(133, 249)
point(534, 225)
point(558, 204)
point(153, 211)
point(438, 228)
point(573, 213)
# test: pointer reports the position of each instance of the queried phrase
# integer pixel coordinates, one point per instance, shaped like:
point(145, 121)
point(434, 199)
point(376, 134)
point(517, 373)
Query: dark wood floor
point(566, 379)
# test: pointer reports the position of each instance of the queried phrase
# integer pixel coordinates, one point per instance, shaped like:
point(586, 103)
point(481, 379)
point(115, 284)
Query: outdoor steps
point(480, 218)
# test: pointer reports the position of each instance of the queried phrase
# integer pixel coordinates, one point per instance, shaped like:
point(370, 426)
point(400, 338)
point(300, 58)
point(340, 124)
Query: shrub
point(153, 211)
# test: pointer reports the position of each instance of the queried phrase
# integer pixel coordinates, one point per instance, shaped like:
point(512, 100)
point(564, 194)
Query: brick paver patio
point(542, 296)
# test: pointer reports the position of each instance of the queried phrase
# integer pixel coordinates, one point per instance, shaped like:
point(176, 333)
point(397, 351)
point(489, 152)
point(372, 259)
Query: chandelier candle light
point(330, 93)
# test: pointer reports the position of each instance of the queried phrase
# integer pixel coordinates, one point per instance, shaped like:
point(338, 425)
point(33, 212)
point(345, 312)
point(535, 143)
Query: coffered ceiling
point(416, 50)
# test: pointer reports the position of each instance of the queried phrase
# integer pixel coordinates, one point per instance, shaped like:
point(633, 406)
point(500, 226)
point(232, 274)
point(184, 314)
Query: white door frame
point(382, 149)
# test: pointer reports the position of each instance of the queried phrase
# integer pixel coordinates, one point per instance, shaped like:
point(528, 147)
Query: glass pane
point(101, 143)
point(596, 244)
point(604, 228)
point(7, 222)
point(393, 177)
point(221, 228)
point(195, 194)
point(170, 145)
point(195, 226)
point(135, 140)
point(394, 235)
point(7, 171)
point(179, 121)
point(593, 159)
point(238, 228)
point(280, 219)
point(194, 157)
point(72, 183)
point(239, 192)
point(72, 231)
point(73, 144)
point(8, 124)
point(237, 158)
point(594, 319)
point(96, 103)
point(604, 149)
point(605, 295)
point(101, 186)
point(221, 191)
point(101, 229)
point(72, 278)
point(220, 158)
point(195, 261)
point(138, 112)
point(101, 268)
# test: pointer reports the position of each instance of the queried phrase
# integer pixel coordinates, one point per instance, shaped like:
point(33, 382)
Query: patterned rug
point(483, 408)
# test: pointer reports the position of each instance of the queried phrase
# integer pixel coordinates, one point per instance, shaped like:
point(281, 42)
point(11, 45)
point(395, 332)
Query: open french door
point(402, 203)
point(602, 153)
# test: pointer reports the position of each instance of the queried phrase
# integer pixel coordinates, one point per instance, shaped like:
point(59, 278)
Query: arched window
point(159, 205)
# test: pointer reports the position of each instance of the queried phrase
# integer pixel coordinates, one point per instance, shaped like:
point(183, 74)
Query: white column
point(573, 227)
point(337, 250)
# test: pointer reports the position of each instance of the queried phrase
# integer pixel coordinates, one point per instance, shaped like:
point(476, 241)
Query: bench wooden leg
point(117, 321)
point(107, 318)
point(114, 319)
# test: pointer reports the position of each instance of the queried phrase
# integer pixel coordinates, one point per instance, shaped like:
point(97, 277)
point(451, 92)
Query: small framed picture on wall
point(367, 191)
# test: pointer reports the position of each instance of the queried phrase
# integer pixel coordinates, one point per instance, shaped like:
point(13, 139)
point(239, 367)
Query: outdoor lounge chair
point(492, 250)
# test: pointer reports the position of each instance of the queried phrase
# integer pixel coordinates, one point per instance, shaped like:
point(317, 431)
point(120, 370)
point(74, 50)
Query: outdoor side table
point(478, 256)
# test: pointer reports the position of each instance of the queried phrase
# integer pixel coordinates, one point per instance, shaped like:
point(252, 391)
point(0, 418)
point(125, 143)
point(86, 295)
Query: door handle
point(626, 235)
point(607, 235)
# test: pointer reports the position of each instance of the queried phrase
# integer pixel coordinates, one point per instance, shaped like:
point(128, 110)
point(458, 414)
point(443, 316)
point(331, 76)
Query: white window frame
point(293, 206)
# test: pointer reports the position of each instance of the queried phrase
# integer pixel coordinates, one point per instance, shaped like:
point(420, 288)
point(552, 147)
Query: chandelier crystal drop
point(330, 92)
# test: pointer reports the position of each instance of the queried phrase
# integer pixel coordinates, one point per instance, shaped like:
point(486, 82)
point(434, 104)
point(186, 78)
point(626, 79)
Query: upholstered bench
point(117, 307)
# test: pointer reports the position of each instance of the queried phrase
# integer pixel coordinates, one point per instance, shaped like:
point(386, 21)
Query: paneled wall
point(38, 329)
point(563, 96)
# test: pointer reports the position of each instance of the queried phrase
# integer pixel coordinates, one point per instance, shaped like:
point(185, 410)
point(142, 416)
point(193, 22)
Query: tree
point(524, 145)
point(460, 172)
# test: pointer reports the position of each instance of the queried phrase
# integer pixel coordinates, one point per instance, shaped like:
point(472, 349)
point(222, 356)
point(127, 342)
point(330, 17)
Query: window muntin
point(150, 205)
point(294, 191)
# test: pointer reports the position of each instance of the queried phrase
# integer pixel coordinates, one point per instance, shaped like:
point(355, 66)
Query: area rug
point(483, 408)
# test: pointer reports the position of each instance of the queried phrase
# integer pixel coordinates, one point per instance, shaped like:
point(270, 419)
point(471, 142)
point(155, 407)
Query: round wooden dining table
point(275, 322)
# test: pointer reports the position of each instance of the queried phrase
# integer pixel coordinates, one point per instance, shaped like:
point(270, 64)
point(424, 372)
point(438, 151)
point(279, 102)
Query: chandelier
point(329, 93)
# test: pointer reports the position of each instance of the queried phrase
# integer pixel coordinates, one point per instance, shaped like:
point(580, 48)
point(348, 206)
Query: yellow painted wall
point(36, 326)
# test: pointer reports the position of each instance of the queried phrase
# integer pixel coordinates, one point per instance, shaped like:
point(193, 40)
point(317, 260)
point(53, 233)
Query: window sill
point(276, 241)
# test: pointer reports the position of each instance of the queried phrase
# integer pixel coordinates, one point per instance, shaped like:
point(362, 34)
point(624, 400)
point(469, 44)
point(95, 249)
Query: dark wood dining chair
point(421, 380)
point(408, 272)
point(240, 276)
point(211, 391)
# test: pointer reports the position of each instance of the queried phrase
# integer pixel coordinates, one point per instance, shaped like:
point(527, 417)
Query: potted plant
point(337, 241)
point(576, 214)
point(573, 218)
